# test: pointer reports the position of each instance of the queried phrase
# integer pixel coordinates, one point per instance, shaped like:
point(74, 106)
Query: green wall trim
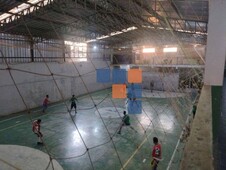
point(216, 92)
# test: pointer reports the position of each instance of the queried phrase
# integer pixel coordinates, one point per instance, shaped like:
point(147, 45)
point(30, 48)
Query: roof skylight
point(4, 18)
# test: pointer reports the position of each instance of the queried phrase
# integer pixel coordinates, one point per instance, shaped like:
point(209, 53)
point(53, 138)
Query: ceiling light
point(148, 50)
point(153, 20)
point(93, 40)
point(102, 37)
point(170, 50)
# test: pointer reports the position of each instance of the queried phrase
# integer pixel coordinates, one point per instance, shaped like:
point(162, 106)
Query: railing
point(29, 59)
point(49, 59)
point(165, 61)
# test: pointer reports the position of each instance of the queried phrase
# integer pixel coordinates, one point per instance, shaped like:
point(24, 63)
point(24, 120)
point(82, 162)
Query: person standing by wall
point(45, 103)
point(152, 85)
point(194, 108)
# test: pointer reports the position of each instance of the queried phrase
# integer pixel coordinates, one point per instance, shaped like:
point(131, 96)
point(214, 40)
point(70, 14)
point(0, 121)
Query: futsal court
point(148, 59)
point(89, 139)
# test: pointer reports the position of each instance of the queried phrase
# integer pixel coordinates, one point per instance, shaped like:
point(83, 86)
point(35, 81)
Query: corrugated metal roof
point(6, 5)
point(93, 18)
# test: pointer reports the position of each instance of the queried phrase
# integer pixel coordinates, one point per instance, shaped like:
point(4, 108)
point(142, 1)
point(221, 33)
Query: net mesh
point(166, 107)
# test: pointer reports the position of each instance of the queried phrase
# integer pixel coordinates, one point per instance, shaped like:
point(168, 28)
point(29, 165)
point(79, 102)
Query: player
point(45, 103)
point(194, 108)
point(36, 126)
point(152, 85)
point(156, 154)
point(125, 121)
point(73, 103)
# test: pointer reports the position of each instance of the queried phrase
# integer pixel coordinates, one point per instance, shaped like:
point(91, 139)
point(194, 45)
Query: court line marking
point(174, 152)
point(10, 118)
point(27, 120)
point(26, 115)
point(7, 163)
point(134, 153)
point(178, 142)
point(18, 124)
point(14, 125)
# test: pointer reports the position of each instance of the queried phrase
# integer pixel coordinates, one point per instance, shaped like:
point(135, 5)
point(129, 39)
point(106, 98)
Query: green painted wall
point(216, 109)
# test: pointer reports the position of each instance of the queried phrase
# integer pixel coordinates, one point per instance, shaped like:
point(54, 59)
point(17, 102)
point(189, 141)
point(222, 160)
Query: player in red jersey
point(36, 126)
point(45, 103)
point(156, 154)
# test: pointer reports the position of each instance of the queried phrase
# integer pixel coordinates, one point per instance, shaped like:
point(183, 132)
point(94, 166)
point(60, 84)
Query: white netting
point(166, 104)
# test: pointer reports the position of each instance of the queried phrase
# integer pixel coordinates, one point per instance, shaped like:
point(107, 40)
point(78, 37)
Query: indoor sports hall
point(92, 84)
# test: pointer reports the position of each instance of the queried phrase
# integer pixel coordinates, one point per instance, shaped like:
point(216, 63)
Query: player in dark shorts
point(73, 103)
point(125, 121)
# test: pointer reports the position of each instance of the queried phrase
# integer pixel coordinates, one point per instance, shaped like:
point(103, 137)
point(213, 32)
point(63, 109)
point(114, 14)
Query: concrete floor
point(89, 139)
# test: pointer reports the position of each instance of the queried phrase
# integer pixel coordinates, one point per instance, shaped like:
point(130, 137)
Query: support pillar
point(216, 44)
